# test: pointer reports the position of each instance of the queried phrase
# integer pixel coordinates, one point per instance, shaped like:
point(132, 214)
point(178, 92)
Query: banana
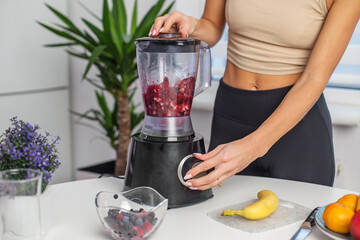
point(267, 204)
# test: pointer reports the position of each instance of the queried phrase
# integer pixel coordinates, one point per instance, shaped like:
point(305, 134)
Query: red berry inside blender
point(162, 100)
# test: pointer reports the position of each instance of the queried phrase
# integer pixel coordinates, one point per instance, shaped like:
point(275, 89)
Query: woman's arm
point(228, 159)
point(209, 28)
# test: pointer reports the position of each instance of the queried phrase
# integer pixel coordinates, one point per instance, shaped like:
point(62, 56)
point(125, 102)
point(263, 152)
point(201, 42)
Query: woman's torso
point(259, 78)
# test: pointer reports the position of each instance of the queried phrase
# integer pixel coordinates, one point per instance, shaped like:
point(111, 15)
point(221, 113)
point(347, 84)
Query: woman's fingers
point(204, 166)
point(172, 19)
point(177, 22)
point(158, 25)
point(210, 154)
point(173, 22)
point(213, 179)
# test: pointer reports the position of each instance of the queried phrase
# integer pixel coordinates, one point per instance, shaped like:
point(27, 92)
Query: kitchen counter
point(75, 216)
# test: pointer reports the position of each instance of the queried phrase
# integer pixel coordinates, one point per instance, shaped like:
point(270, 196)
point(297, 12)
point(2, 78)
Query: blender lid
point(168, 43)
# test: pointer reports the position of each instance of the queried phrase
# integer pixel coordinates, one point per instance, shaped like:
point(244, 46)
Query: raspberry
point(163, 101)
point(147, 226)
point(139, 231)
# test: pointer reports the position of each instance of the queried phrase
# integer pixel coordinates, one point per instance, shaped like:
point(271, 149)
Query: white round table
point(75, 215)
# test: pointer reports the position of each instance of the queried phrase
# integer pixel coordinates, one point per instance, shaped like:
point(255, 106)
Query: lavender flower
point(21, 146)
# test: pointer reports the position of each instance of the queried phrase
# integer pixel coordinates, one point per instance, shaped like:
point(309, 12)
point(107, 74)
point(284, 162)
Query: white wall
point(33, 79)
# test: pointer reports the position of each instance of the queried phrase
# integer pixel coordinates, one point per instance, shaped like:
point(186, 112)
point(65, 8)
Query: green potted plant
point(110, 48)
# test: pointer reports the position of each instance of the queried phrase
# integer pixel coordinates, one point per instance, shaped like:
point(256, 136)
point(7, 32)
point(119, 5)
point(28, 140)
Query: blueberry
point(151, 215)
point(153, 221)
point(133, 218)
point(121, 223)
point(126, 219)
point(133, 232)
point(129, 225)
point(113, 212)
point(124, 213)
point(139, 222)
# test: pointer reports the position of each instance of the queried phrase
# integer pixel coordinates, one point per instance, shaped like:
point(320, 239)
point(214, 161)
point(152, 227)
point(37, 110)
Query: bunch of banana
point(267, 204)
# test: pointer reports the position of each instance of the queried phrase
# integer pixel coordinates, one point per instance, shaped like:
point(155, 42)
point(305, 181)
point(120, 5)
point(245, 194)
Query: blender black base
point(155, 164)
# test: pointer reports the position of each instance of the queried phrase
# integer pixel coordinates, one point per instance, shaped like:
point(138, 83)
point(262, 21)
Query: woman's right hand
point(174, 22)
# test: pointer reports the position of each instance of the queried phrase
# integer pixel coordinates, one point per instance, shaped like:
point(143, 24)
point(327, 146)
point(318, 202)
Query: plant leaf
point(79, 55)
point(146, 23)
point(85, 114)
point(148, 19)
point(84, 36)
point(94, 55)
point(89, 11)
point(103, 39)
point(63, 18)
point(93, 82)
point(106, 17)
point(98, 33)
point(60, 44)
point(167, 10)
point(134, 19)
point(103, 105)
point(136, 118)
point(119, 14)
point(68, 36)
point(116, 36)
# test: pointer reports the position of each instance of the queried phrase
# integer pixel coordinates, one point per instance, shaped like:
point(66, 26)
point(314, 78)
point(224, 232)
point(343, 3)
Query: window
point(347, 73)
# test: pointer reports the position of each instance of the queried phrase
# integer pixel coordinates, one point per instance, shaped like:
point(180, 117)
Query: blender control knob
point(188, 162)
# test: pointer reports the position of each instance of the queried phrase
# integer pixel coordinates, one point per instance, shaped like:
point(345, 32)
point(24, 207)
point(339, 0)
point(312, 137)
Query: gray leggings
point(305, 153)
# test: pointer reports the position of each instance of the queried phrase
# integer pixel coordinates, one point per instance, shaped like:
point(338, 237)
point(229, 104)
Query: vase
point(46, 210)
point(20, 204)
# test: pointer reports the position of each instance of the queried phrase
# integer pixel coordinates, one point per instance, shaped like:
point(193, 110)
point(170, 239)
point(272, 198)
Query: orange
point(349, 200)
point(337, 217)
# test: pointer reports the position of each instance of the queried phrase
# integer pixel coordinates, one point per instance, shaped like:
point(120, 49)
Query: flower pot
point(20, 191)
point(46, 210)
point(26, 213)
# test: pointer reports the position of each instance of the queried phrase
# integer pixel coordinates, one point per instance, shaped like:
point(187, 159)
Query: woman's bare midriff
point(239, 78)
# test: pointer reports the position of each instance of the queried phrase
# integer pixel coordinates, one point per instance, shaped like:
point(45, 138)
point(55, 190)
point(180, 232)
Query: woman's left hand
point(226, 159)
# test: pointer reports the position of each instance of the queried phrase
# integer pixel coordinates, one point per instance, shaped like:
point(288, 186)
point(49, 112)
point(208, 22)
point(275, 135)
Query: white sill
point(344, 104)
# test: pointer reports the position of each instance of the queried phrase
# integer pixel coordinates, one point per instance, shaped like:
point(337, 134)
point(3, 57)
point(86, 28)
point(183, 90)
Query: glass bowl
point(133, 214)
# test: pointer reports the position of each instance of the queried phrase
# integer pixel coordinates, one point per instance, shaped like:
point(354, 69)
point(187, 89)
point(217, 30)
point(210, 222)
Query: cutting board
point(286, 213)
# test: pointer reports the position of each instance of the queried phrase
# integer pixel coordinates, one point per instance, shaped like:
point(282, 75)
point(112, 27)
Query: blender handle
point(204, 69)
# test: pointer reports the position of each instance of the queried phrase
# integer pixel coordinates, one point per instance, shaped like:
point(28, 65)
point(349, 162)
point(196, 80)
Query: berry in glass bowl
point(133, 214)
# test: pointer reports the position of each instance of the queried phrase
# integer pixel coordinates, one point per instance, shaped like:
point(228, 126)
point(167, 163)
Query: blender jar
point(168, 73)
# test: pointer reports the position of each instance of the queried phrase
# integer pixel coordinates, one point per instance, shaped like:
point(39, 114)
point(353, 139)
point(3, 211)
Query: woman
point(270, 116)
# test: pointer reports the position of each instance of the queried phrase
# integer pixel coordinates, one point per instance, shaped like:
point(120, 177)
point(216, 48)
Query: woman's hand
point(174, 22)
point(227, 159)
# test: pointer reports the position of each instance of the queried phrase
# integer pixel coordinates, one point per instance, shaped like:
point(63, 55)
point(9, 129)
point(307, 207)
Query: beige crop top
point(273, 36)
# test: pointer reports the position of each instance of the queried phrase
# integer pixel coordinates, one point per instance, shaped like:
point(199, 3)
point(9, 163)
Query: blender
point(172, 71)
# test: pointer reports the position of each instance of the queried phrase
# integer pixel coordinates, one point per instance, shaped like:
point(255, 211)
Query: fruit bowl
point(133, 214)
point(321, 225)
